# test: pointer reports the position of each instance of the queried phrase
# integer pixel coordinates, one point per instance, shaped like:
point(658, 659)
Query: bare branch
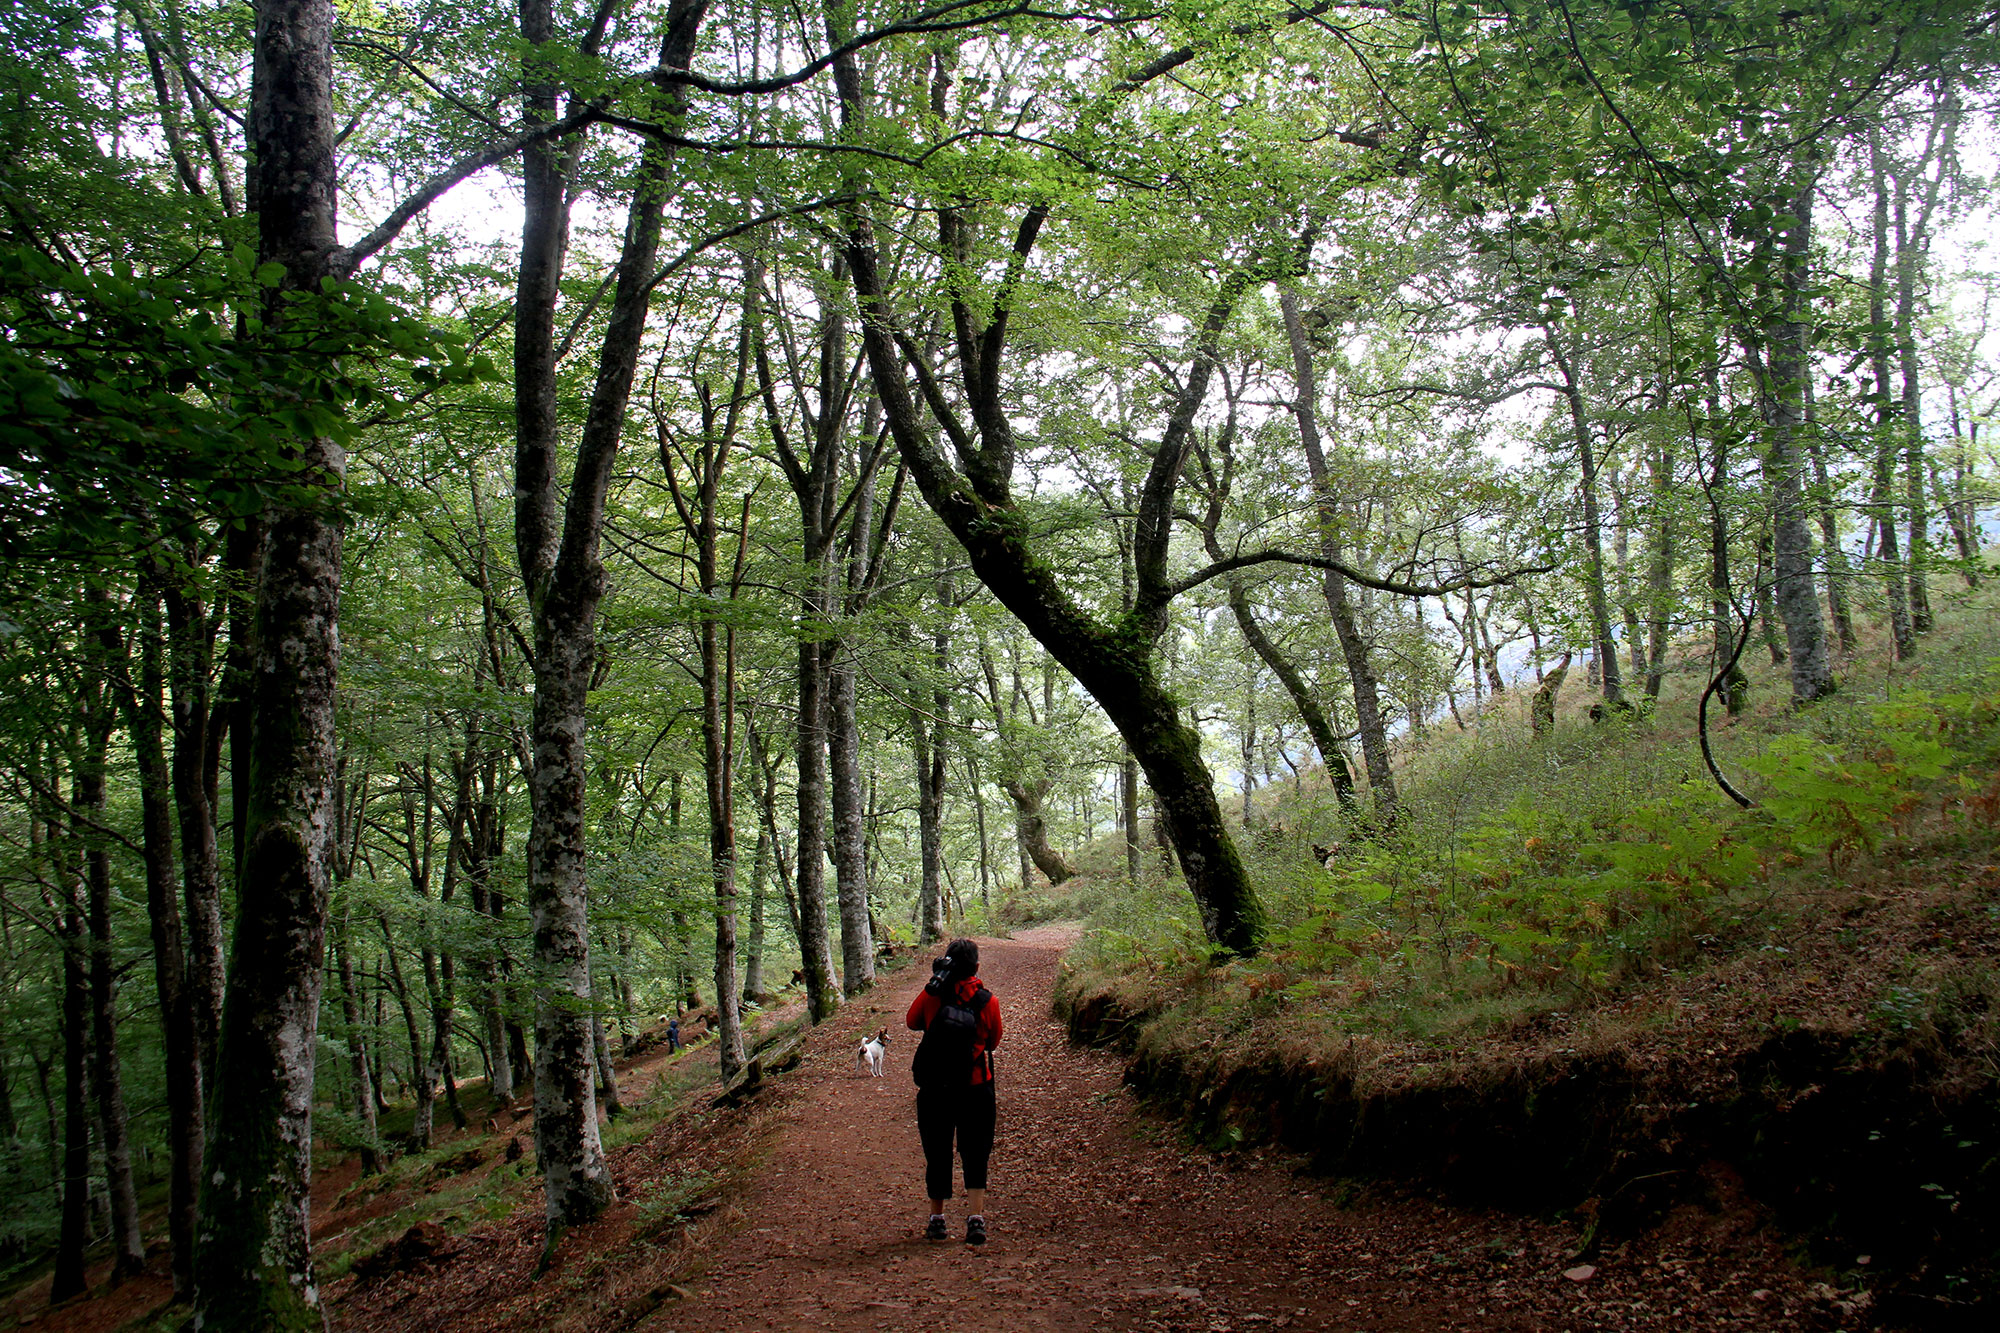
point(1347, 571)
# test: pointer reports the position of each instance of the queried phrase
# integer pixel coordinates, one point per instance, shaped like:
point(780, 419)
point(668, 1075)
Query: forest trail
point(1103, 1219)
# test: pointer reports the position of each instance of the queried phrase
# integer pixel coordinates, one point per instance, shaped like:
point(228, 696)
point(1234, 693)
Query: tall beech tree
point(564, 573)
point(253, 1254)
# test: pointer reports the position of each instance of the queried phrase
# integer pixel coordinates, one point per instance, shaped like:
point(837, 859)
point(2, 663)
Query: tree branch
point(1235, 562)
point(347, 259)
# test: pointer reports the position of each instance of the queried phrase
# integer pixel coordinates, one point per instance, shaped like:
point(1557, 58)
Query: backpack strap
point(978, 1007)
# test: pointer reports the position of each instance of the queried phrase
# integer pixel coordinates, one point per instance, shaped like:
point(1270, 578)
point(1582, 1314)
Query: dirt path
point(1101, 1219)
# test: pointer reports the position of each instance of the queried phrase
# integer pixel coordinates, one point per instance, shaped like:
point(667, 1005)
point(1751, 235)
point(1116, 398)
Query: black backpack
point(944, 1056)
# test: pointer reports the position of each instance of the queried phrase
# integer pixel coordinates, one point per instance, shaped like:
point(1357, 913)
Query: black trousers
point(969, 1115)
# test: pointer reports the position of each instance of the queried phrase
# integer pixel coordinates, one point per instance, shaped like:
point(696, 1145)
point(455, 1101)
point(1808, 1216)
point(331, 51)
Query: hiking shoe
point(975, 1231)
point(938, 1231)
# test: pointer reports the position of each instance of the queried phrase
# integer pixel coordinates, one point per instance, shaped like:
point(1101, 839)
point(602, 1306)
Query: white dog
point(870, 1054)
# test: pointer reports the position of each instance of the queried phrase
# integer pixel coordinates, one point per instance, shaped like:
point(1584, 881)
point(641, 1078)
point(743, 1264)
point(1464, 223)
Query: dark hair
point(963, 956)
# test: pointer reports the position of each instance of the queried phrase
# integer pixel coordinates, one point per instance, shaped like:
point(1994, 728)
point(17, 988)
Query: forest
point(518, 522)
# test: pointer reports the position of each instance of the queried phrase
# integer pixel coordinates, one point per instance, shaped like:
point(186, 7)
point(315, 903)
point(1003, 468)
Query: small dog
point(870, 1054)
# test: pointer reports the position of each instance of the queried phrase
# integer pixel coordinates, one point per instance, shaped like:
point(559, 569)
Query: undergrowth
point(1531, 874)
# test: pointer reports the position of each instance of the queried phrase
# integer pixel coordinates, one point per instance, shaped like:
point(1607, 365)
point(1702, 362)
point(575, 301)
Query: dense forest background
point(522, 522)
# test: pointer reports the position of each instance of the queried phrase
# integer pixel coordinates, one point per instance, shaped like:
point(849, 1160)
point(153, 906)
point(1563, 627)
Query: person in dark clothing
point(673, 1035)
point(955, 1101)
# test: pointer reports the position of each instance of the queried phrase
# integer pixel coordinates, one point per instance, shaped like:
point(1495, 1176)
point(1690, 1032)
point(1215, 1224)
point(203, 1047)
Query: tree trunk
point(1332, 757)
point(565, 579)
point(440, 969)
point(928, 754)
point(141, 703)
point(1542, 710)
point(1368, 718)
point(850, 825)
point(1786, 367)
point(1721, 609)
point(1032, 828)
point(1660, 572)
point(1902, 625)
point(1912, 250)
point(978, 791)
point(1829, 534)
point(1114, 663)
point(815, 941)
point(753, 949)
point(421, 1088)
point(73, 1233)
point(254, 1266)
point(1621, 552)
point(357, 1050)
point(1128, 803)
point(1911, 421)
point(718, 716)
point(1606, 654)
point(607, 1077)
point(128, 1247)
point(1956, 517)
point(191, 645)
point(485, 843)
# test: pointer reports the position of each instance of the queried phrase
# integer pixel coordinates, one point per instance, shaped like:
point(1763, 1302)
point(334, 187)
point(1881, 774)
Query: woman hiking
point(953, 1068)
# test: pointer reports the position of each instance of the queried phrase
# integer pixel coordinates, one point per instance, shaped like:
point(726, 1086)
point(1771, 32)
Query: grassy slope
point(1580, 978)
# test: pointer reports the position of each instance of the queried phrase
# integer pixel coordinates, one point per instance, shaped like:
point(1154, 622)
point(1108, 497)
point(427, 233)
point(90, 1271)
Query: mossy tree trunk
point(253, 1260)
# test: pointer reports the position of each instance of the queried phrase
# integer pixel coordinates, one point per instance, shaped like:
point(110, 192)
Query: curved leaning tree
point(1233, 231)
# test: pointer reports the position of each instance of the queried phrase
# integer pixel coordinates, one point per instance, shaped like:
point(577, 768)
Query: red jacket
point(924, 1008)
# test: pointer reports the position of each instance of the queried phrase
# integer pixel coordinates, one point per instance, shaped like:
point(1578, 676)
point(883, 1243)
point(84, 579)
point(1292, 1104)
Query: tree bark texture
point(253, 1263)
point(1787, 336)
point(576, 1180)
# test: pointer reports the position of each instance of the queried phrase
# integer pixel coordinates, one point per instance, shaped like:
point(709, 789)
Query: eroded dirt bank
point(1102, 1217)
